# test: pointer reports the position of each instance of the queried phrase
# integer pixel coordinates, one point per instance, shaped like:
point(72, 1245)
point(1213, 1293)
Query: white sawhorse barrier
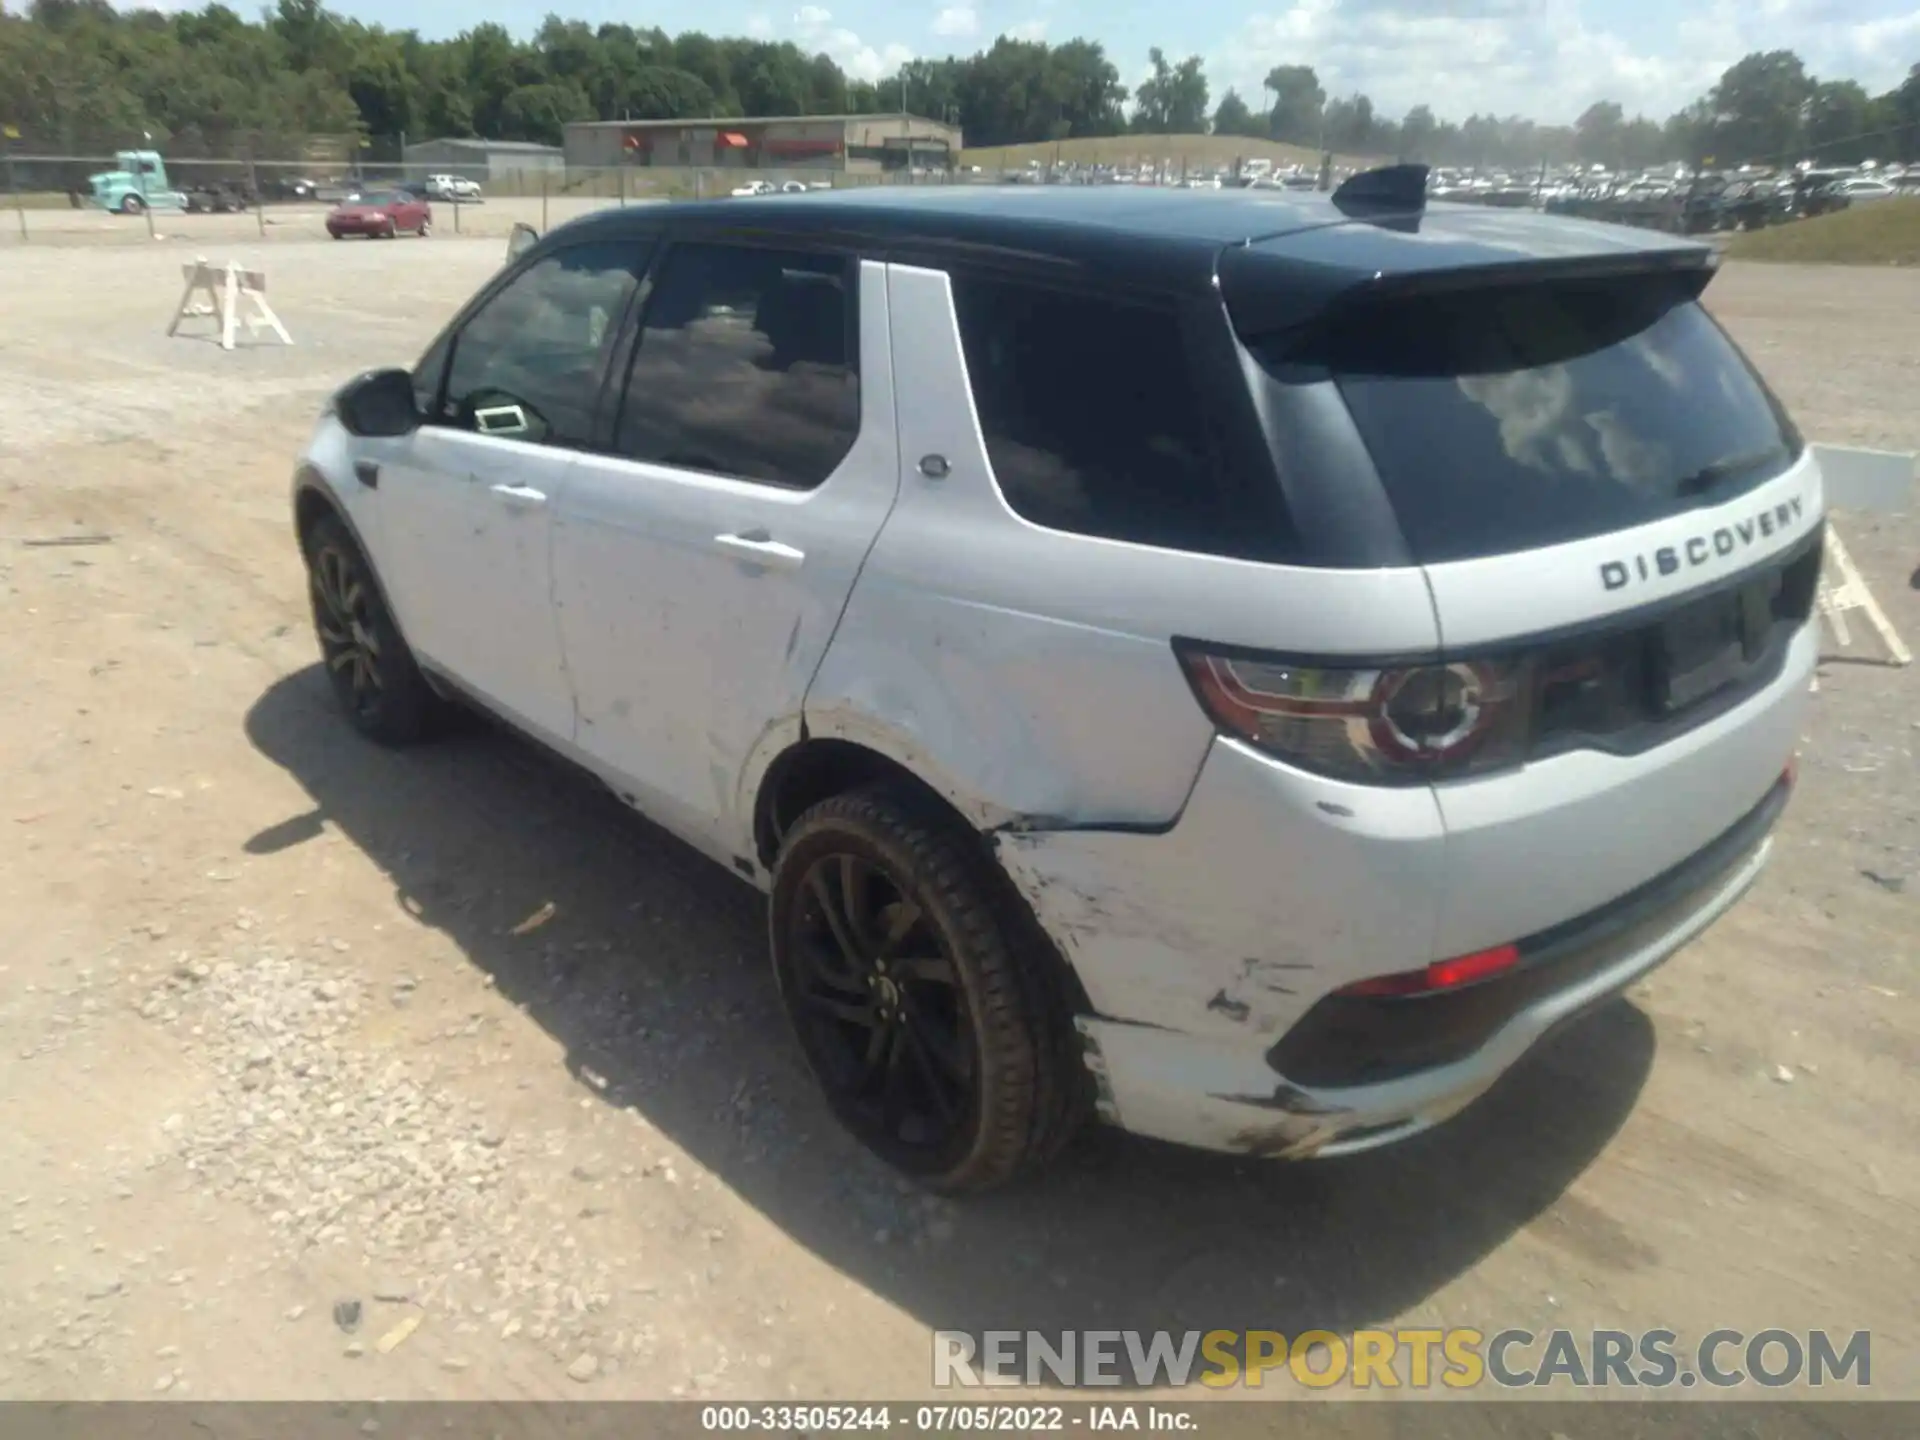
point(218, 291)
point(1878, 481)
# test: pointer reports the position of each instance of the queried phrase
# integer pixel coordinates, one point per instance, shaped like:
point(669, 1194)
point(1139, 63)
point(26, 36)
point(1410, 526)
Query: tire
point(907, 968)
point(425, 232)
point(371, 670)
point(132, 205)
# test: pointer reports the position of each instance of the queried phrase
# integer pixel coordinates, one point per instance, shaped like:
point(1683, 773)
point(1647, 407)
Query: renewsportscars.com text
point(1458, 1358)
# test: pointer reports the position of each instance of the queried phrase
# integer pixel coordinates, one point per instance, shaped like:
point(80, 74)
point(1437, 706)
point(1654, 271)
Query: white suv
point(1247, 665)
point(452, 187)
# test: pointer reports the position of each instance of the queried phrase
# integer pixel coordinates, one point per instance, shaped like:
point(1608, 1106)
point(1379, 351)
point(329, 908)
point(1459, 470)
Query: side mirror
point(520, 239)
point(380, 402)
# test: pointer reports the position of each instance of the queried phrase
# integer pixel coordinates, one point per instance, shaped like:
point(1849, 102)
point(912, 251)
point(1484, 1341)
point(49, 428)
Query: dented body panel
point(1027, 673)
point(1203, 1092)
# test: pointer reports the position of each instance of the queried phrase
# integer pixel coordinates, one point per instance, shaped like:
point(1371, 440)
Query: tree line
point(80, 73)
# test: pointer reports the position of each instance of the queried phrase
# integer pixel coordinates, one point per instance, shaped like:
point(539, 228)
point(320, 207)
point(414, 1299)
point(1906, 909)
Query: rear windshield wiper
point(1728, 467)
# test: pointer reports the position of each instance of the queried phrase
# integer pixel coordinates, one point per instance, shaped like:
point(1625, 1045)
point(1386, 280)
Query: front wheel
point(132, 205)
point(426, 229)
point(368, 664)
point(915, 992)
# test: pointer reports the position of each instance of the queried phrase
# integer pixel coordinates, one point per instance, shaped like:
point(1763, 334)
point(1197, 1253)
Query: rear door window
point(1091, 418)
point(1509, 419)
point(747, 366)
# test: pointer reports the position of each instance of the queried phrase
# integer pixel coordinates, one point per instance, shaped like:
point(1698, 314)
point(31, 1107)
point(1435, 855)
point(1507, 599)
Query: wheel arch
point(818, 767)
point(314, 501)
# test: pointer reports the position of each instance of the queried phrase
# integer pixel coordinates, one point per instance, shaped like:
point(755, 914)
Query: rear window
point(1091, 419)
point(1508, 419)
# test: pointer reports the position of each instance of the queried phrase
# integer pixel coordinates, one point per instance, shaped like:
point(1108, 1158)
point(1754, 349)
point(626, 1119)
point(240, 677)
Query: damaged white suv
point(1246, 665)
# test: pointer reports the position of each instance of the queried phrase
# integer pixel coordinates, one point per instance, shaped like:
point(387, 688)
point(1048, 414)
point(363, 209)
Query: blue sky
point(1545, 58)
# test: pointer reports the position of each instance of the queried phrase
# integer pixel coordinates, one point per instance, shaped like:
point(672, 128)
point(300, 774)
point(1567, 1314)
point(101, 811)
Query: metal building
point(859, 143)
point(481, 160)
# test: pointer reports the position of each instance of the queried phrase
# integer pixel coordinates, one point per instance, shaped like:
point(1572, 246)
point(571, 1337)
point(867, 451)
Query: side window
point(1090, 415)
point(746, 366)
point(428, 374)
point(528, 365)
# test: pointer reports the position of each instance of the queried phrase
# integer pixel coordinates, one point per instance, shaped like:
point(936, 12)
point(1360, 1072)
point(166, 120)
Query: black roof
point(1159, 237)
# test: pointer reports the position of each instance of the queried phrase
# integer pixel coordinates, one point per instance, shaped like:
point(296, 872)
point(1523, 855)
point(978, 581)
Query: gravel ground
point(334, 1073)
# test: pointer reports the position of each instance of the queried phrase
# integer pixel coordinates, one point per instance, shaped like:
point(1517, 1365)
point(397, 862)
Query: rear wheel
point(426, 229)
point(912, 987)
point(371, 670)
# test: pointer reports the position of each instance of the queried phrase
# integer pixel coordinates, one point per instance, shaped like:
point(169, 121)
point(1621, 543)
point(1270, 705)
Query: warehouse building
point(868, 144)
point(481, 160)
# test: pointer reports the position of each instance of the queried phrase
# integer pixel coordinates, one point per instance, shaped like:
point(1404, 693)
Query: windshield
point(1507, 419)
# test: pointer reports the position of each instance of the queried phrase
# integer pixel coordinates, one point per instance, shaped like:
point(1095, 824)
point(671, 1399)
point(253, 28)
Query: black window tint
point(528, 365)
point(428, 374)
point(746, 366)
point(1507, 419)
point(1090, 415)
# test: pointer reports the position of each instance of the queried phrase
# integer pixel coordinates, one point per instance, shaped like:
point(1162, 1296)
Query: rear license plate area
point(1704, 648)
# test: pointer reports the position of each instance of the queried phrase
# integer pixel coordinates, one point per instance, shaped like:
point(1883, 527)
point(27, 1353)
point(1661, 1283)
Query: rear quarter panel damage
point(1273, 888)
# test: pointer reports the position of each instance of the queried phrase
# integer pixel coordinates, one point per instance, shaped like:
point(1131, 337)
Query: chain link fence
point(94, 197)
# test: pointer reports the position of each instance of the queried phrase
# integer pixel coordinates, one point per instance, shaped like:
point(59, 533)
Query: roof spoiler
point(1385, 187)
point(1260, 307)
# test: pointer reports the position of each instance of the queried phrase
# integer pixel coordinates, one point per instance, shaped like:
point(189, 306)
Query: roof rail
point(1387, 187)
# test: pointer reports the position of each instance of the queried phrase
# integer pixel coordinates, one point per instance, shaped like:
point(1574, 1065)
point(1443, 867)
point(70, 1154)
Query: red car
point(380, 214)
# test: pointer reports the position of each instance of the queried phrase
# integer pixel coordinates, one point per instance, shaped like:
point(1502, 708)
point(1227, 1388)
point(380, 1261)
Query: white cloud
point(760, 27)
point(1550, 59)
point(814, 31)
point(956, 20)
point(1027, 30)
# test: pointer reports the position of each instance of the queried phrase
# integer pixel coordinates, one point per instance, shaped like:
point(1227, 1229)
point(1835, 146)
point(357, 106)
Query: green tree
point(1759, 108)
point(1839, 115)
point(1232, 117)
point(1597, 133)
point(1298, 104)
point(1173, 100)
point(1418, 133)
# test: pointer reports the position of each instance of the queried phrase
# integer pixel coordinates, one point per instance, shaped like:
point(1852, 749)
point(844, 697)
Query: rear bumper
point(1210, 954)
point(1194, 1092)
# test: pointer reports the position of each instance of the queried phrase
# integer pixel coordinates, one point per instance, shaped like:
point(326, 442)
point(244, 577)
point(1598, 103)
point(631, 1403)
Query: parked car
point(756, 187)
point(794, 187)
point(380, 215)
point(452, 187)
point(1863, 189)
point(1153, 696)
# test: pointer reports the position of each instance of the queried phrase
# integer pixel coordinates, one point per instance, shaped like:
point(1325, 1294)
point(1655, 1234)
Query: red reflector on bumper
point(1440, 975)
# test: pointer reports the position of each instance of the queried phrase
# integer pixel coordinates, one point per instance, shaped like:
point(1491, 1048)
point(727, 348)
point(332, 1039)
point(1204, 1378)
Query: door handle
point(520, 497)
point(756, 547)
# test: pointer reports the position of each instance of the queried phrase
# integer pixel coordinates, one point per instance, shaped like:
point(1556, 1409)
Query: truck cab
point(138, 184)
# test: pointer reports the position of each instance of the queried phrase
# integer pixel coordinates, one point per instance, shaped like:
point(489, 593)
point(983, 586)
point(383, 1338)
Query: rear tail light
point(1402, 725)
point(1440, 975)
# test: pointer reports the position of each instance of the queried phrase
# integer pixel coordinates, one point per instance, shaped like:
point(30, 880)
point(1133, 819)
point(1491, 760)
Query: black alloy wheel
point(888, 1026)
point(919, 988)
point(369, 667)
point(343, 619)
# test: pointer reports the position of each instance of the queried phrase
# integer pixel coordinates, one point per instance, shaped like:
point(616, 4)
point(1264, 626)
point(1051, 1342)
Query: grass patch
point(1882, 232)
point(1201, 151)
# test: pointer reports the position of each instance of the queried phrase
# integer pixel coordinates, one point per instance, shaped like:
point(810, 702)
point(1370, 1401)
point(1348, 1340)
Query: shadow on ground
point(653, 975)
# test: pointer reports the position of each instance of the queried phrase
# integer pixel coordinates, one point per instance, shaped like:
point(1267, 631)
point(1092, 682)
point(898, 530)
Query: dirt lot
point(269, 1039)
